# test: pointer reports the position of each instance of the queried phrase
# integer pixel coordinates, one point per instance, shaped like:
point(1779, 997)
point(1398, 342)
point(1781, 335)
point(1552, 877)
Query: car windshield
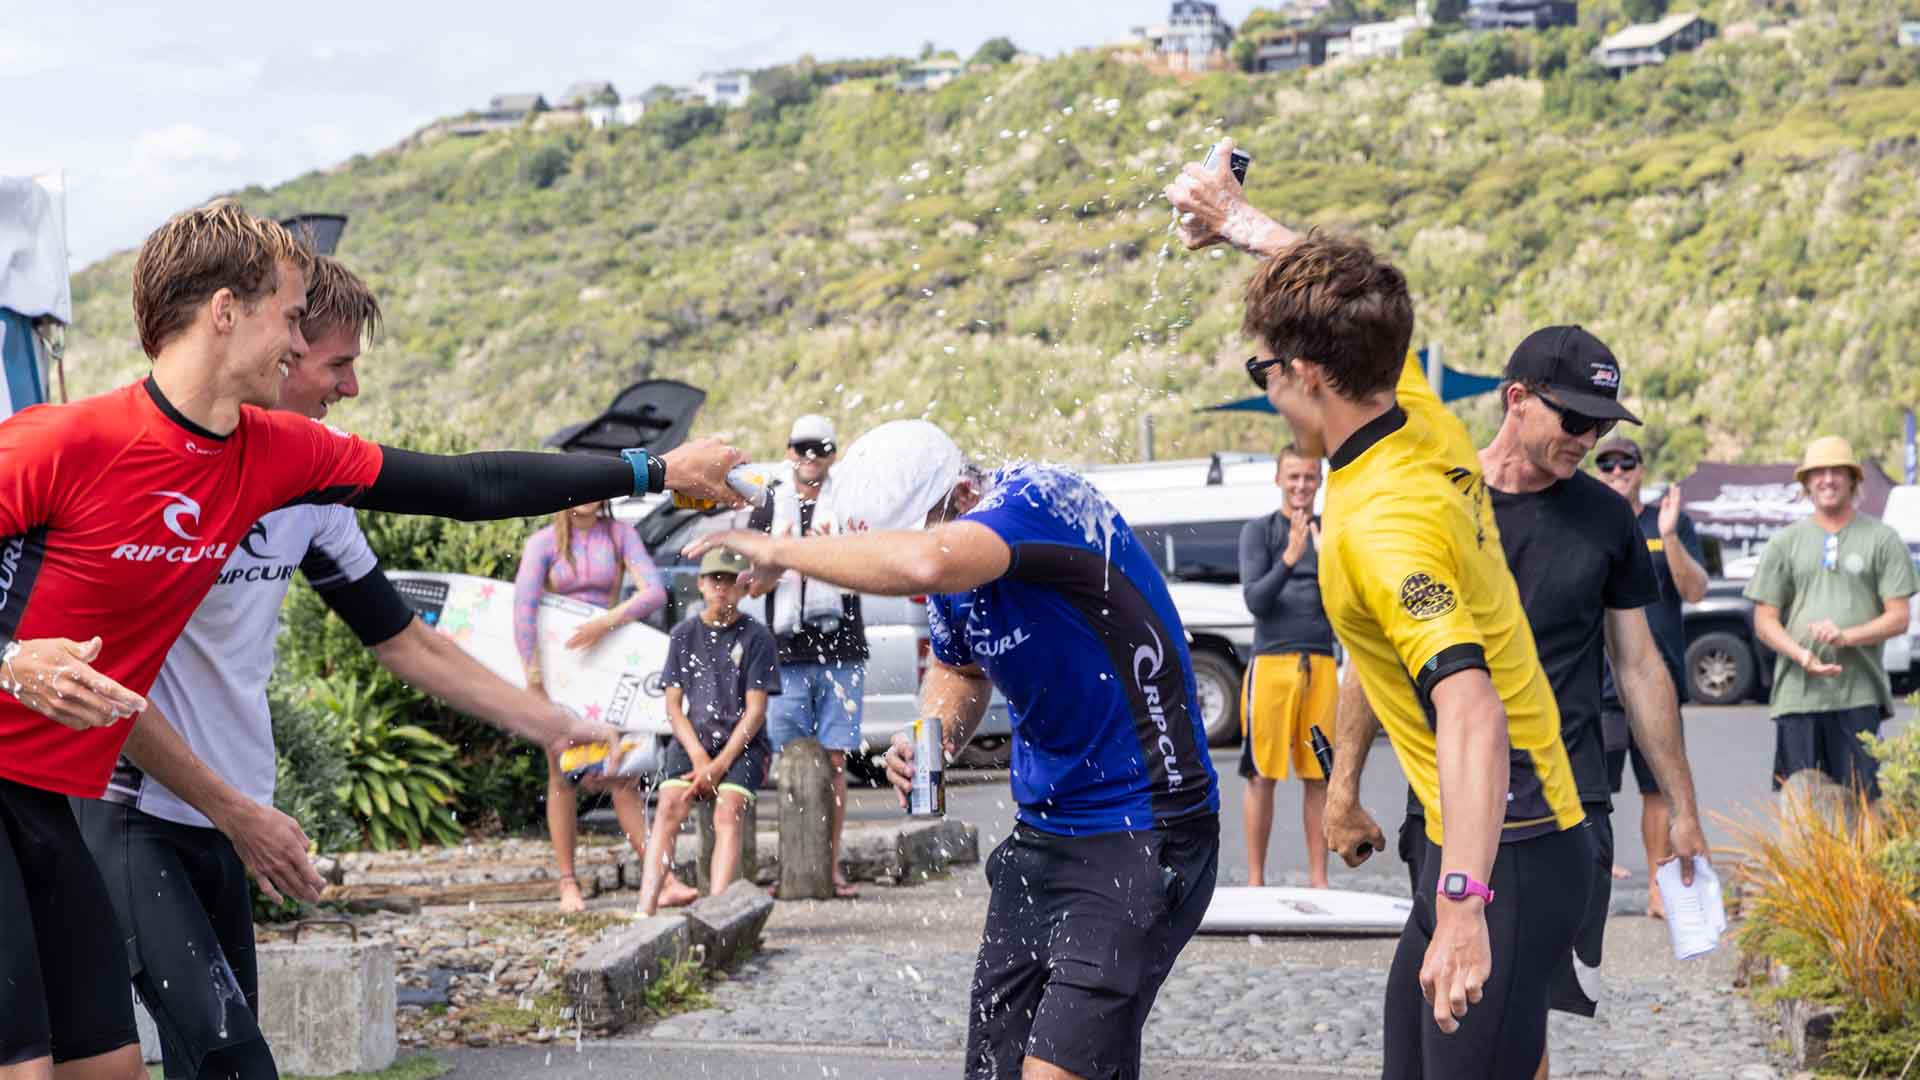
point(1205, 551)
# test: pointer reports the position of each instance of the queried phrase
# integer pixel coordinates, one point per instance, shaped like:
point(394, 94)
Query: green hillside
point(1741, 224)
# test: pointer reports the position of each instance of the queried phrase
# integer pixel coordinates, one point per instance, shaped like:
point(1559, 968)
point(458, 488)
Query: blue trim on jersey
point(1082, 638)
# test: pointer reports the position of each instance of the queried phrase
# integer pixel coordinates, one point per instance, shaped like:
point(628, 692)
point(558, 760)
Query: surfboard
point(616, 681)
point(1242, 909)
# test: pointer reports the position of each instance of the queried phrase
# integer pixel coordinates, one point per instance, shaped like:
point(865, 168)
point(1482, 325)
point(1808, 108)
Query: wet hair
point(337, 297)
point(1331, 300)
point(195, 255)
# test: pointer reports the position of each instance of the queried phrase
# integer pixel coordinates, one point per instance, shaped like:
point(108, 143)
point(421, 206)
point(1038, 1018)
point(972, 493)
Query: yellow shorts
point(1282, 696)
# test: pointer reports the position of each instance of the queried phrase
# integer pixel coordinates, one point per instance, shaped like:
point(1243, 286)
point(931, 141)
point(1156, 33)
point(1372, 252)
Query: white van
point(1190, 513)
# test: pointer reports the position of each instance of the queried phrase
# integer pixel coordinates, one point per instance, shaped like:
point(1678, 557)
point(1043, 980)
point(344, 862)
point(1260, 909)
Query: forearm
point(743, 732)
point(1884, 627)
point(898, 563)
point(651, 598)
point(1354, 728)
point(161, 753)
point(1470, 736)
point(1255, 233)
point(439, 668)
point(1263, 591)
point(1653, 714)
point(1767, 627)
point(494, 484)
point(1689, 577)
point(959, 697)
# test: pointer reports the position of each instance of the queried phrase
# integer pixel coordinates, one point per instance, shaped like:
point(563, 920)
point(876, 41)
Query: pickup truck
point(1726, 664)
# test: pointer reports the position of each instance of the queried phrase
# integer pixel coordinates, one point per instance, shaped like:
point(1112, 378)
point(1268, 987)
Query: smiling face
point(324, 375)
point(264, 337)
point(1831, 489)
point(1299, 479)
point(1621, 472)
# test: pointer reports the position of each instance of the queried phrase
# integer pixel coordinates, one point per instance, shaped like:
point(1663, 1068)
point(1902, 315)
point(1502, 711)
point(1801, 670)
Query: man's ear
point(226, 310)
point(1311, 376)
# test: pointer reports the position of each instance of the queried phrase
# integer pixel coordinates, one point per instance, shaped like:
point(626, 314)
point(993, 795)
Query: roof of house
point(519, 102)
point(1647, 35)
point(589, 89)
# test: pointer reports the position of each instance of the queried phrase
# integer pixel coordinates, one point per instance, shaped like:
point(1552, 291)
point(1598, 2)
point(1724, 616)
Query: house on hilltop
point(1288, 49)
point(725, 89)
point(1521, 14)
point(1909, 34)
point(1645, 44)
point(1387, 38)
point(512, 108)
point(596, 92)
point(928, 75)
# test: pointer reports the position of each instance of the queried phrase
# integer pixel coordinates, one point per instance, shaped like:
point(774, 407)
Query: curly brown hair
point(337, 297)
point(199, 252)
point(1331, 300)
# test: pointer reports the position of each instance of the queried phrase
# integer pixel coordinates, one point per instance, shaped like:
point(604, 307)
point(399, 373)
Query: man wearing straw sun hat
point(1829, 591)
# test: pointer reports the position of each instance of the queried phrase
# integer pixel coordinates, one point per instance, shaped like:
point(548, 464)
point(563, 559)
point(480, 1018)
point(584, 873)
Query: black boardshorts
point(1540, 897)
point(1081, 932)
point(63, 969)
point(181, 897)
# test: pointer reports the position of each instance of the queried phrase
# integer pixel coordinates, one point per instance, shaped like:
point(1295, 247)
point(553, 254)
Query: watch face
point(1455, 886)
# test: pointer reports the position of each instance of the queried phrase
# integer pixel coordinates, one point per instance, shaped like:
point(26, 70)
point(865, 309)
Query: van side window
point(1205, 551)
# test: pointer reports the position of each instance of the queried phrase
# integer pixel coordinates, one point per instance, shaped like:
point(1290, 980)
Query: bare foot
point(1621, 873)
point(1319, 884)
point(844, 889)
point(677, 893)
point(570, 898)
point(1656, 908)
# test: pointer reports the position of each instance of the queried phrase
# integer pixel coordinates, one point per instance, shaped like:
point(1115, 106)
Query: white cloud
point(187, 146)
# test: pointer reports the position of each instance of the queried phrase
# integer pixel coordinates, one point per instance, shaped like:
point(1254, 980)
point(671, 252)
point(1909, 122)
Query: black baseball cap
point(1579, 371)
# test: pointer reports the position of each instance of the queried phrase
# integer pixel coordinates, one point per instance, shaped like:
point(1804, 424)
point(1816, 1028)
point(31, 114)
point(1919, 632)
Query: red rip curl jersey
point(116, 516)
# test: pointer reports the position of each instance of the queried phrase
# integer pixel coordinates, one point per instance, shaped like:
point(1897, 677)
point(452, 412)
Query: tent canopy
point(1452, 385)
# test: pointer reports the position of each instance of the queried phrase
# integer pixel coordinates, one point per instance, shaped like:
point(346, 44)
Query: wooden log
point(806, 822)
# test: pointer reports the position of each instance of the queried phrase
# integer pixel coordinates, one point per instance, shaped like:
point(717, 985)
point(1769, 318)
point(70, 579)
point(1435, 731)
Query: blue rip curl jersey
point(1082, 638)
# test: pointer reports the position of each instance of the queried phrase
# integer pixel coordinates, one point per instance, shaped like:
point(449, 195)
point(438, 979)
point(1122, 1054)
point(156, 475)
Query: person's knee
point(730, 810)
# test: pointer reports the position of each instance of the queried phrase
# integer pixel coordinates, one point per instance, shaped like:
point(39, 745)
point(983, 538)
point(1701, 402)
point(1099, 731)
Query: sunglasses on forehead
point(1260, 367)
point(1617, 463)
point(1576, 424)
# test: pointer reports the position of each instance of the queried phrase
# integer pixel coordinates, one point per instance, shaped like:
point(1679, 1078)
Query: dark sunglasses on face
point(1576, 424)
point(811, 448)
point(1259, 368)
point(1617, 464)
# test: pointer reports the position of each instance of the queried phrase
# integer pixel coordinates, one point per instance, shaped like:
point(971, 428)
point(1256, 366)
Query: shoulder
point(1590, 492)
point(1049, 498)
point(81, 425)
point(1881, 532)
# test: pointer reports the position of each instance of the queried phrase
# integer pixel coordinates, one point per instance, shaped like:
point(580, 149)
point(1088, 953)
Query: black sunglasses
point(1576, 424)
point(1258, 369)
point(811, 448)
point(1617, 464)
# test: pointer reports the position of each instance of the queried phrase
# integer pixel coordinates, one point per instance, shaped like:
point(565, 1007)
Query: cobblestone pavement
point(826, 977)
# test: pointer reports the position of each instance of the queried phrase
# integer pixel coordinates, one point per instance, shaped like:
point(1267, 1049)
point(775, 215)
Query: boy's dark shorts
point(748, 772)
point(1081, 931)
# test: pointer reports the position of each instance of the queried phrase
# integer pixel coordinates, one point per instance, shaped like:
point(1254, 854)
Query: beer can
point(929, 796)
point(749, 480)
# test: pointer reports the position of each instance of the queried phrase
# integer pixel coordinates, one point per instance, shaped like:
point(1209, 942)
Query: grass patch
point(681, 987)
point(549, 1011)
point(546, 923)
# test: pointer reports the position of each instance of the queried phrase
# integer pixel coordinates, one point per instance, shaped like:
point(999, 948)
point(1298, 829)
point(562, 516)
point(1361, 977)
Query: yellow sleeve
point(1414, 388)
point(1407, 577)
point(1417, 396)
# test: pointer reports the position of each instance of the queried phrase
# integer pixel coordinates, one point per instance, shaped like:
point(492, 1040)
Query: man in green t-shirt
point(1831, 589)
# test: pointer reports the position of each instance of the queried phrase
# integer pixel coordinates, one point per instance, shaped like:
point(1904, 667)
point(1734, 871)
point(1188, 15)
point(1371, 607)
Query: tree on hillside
point(1643, 10)
point(1448, 12)
point(1244, 41)
point(997, 50)
point(927, 49)
point(1448, 61)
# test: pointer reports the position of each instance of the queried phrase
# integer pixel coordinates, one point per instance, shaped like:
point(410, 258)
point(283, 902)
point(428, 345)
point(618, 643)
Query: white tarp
point(33, 247)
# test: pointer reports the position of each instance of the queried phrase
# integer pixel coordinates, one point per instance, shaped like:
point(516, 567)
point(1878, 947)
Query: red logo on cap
point(1606, 377)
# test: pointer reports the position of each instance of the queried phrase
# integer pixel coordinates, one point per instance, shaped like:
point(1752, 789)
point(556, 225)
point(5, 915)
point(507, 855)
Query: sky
point(153, 107)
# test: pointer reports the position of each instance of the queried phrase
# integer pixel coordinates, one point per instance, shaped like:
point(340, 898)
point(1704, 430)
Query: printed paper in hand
point(1696, 917)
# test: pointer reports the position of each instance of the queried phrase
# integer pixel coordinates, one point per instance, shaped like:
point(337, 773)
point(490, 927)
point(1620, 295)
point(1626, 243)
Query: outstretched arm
point(952, 558)
point(1213, 209)
point(513, 483)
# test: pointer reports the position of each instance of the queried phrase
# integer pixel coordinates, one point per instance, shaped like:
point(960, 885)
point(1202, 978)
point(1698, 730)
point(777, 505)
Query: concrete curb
point(608, 985)
point(726, 928)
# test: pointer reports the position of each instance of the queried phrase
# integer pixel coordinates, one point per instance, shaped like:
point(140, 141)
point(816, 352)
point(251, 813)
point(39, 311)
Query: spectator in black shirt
point(1675, 549)
point(823, 641)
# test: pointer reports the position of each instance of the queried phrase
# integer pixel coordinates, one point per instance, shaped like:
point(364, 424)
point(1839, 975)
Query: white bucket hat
point(892, 477)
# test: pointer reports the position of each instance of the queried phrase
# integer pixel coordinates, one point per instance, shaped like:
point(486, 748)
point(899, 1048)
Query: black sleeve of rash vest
point(491, 485)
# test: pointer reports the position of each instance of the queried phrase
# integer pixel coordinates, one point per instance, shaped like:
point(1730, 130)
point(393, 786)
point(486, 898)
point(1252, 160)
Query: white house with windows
point(1387, 38)
point(1645, 44)
point(1196, 32)
point(725, 89)
point(928, 75)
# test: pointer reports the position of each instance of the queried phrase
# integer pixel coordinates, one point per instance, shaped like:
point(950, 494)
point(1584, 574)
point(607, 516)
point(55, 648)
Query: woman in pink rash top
point(586, 555)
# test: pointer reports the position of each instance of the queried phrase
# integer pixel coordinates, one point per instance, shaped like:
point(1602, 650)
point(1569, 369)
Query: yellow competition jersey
point(1417, 587)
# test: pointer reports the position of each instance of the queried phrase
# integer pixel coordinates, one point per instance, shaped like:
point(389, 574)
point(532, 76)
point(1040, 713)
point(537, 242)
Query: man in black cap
point(1585, 579)
point(1674, 547)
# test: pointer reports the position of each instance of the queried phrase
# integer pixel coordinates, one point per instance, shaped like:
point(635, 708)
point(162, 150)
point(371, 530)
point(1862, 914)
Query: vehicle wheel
point(1218, 681)
point(1720, 669)
point(987, 752)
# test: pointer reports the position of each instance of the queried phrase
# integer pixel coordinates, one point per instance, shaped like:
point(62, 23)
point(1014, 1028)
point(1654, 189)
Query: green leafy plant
point(397, 782)
point(680, 987)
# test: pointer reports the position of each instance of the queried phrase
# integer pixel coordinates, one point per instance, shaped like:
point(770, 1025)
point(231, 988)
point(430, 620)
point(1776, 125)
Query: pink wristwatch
point(1458, 886)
